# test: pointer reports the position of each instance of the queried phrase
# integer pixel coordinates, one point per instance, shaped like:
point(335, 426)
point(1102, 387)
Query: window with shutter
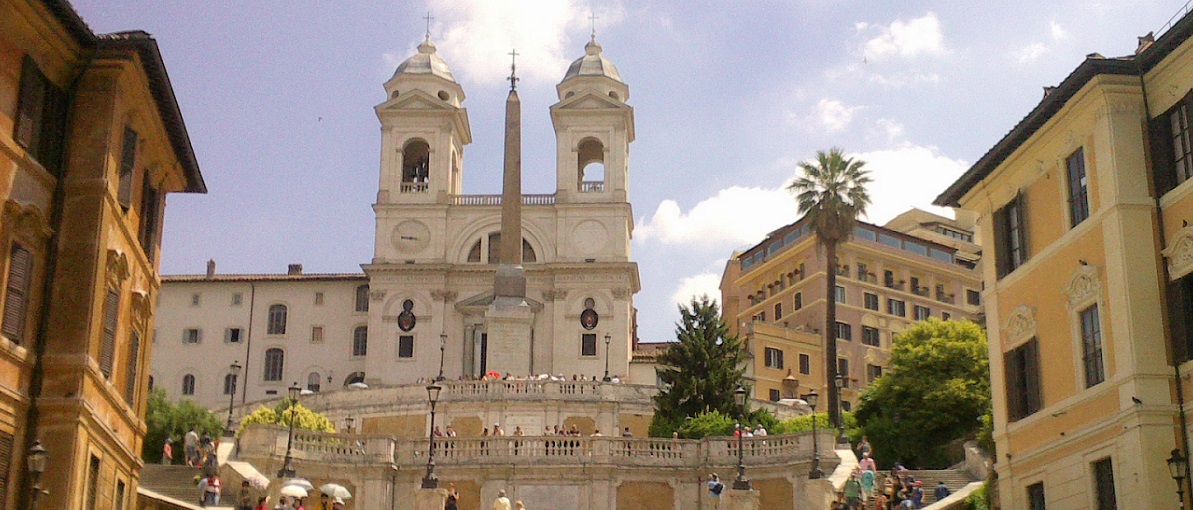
point(6, 441)
point(362, 298)
point(16, 294)
point(150, 209)
point(805, 364)
point(31, 105)
point(128, 162)
point(133, 361)
point(277, 320)
point(360, 341)
point(1078, 187)
point(1010, 236)
point(1104, 484)
point(1022, 366)
point(275, 361)
point(107, 350)
point(1180, 318)
point(1091, 346)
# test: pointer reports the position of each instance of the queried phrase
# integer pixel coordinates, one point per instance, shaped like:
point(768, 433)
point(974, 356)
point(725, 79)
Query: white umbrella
point(293, 491)
point(358, 386)
point(335, 491)
point(301, 482)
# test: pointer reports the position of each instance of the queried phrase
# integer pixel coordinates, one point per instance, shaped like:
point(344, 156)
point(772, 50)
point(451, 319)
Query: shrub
point(304, 419)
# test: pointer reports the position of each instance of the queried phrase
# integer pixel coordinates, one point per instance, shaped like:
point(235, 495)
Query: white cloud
point(900, 176)
point(475, 36)
point(834, 115)
point(694, 286)
point(907, 39)
point(734, 216)
point(1058, 32)
point(1030, 53)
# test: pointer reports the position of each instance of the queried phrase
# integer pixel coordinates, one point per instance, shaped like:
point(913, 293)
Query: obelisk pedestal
point(740, 499)
point(430, 499)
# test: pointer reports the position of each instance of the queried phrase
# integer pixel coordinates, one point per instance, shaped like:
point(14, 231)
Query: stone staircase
point(955, 479)
point(177, 482)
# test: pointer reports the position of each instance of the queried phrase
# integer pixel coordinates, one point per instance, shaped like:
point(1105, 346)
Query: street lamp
point(608, 338)
point(431, 481)
point(442, 348)
point(287, 470)
point(742, 483)
point(1177, 464)
point(234, 370)
point(815, 473)
point(348, 422)
point(841, 439)
point(36, 457)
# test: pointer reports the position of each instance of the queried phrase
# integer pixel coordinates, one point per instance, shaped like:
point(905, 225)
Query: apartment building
point(774, 295)
point(91, 142)
point(1084, 210)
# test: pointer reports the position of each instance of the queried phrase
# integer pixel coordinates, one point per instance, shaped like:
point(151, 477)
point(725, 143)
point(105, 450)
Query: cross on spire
point(513, 69)
point(592, 17)
point(428, 17)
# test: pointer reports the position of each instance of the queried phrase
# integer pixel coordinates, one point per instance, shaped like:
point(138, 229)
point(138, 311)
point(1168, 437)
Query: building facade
point(1084, 209)
point(424, 296)
point(773, 294)
point(91, 143)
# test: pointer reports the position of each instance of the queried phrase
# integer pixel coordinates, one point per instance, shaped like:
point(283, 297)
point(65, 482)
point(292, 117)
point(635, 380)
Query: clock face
point(411, 236)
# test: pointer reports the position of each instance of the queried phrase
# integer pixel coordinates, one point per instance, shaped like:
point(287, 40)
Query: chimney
point(294, 269)
point(1144, 42)
point(1048, 90)
point(210, 268)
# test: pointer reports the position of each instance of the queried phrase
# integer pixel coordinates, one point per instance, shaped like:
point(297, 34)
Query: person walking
point(453, 498)
point(190, 444)
point(867, 480)
point(715, 488)
point(244, 500)
point(210, 488)
point(853, 492)
point(941, 491)
point(168, 452)
point(863, 448)
point(502, 502)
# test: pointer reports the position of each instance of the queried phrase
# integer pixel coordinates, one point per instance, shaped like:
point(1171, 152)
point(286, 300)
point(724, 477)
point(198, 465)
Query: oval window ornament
point(589, 319)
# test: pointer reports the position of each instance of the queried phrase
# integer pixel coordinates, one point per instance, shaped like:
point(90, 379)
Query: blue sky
point(278, 98)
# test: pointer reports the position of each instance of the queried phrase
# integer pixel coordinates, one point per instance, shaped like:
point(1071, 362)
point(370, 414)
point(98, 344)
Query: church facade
point(427, 297)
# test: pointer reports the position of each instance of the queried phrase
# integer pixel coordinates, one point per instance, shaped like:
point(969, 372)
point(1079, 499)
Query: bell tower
point(593, 130)
point(424, 128)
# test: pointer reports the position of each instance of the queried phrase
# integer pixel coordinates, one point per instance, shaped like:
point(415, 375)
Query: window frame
point(1102, 472)
point(274, 365)
point(1092, 345)
point(1024, 393)
point(1036, 496)
point(840, 295)
point(1077, 187)
point(360, 344)
point(188, 385)
point(277, 317)
point(406, 340)
point(805, 364)
point(921, 313)
point(361, 302)
point(844, 331)
point(868, 331)
point(1011, 247)
point(585, 340)
point(773, 358)
point(890, 307)
point(868, 297)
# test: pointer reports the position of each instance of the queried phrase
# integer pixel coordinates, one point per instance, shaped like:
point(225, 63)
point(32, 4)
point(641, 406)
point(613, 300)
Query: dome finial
point(592, 17)
point(428, 17)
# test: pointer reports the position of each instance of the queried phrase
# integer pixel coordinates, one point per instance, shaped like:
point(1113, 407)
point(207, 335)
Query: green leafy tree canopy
point(304, 418)
point(700, 371)
point(166, 420)
point(935, 390)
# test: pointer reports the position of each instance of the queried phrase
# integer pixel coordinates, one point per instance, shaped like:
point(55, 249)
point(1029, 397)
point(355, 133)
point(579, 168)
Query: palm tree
point(831, 194)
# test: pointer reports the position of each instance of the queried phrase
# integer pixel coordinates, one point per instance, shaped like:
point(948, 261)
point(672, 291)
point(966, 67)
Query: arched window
point(277, 320)
point(229, 384)
point(275, 361)
point(362, 298)
point(313, 381)
point(354, 377)
point(416, 164)
point(188, 384)
point(474, 254)
point(528, 254)
point(360, 341)
point(495, 248)
point(590, 165)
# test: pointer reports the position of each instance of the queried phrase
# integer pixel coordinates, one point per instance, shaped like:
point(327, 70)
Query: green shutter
point(16, 296)
point(107, 351)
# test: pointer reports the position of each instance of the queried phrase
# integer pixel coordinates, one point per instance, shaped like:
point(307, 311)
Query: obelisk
point(509, 319)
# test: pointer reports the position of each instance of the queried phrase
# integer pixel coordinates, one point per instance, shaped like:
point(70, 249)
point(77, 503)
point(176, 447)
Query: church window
point(443, 95)
point(590, 156)
point(406, 346)
point(416, 166)
point(474, 255)
point(588, 344)
point(362, 298)
point(188, 384)
point(495, 248)
point(313, 382)
point(614, 95)
point(277, 320)
point(275, 362)
point(494, 251)
point(360, 341)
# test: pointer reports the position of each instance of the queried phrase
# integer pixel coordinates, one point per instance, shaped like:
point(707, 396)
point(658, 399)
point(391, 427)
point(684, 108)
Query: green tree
point(935, 390)
point(304, 418)
point(164, 419)
point(831, 194)
point(700, 371)
point(714, 423)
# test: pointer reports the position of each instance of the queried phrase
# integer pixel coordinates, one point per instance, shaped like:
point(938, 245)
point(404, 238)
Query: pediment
point(480, 302)
point(416, 100)
point(591, 101)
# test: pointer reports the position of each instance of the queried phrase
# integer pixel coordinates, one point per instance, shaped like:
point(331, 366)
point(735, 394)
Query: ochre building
point(1083, 212)
point(91, 142)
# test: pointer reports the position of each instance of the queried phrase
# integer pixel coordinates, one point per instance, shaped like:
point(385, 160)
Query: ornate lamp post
point(842, 441)
point(431, 481)
point(815, 473)
point(234, 370)
point(742, 483)
point(608, 339)
point(287, 470)
point(1177, 466)
point(442, 348)
point(348, 422)
point(36, 458)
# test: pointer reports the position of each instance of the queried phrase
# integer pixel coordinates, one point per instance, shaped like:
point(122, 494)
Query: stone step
point(954, 479)
point(177, 482)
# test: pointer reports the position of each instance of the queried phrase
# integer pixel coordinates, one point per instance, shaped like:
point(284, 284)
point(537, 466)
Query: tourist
point(262, 503)
point(210, 488)
point(839, 502)
point(863, 448)
point(596, 433)
point(191, 446)
point(881, 502)
point(626, 433)
point(244, 500)
point(497, 432)
point(867, 463)
point(853, 492)
point(502, 502)
point(338, 504)
point(942, 491)
point(868, 478)
point(715, 488)
point(438, 433)
point(674, 435)
point(519, 506)
point(760, 431)
point(168, 452)
point(917, 495)
point(453, 498)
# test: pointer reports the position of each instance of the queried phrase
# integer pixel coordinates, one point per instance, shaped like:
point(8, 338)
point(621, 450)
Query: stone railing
point(327, 448)
point(592, 186)
point(538, 390)
point(415, 187)
point(540, 199)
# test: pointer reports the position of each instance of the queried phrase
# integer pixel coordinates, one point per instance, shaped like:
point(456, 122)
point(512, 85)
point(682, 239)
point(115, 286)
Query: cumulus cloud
point(906, 39)
point(733, 217)
point(1058, 32)
point(475, 36)
point(1030, 53)
point(834, 115)
point(906, 177)
point(696, 285)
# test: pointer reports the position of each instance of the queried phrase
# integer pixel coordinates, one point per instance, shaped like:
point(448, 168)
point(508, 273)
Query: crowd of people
point(899, 491)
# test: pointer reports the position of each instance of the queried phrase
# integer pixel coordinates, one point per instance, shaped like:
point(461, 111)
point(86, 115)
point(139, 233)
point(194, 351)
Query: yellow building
point(91, 141)
point(1084, 210)
point(773, 294)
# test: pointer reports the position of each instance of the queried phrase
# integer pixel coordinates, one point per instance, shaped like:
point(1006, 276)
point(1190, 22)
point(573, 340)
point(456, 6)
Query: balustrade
point(539, 199)
point(415, 187)
point(592, 186)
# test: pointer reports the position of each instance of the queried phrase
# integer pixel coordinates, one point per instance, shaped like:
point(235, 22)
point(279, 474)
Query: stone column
point(430, 499)
point(734, 499)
